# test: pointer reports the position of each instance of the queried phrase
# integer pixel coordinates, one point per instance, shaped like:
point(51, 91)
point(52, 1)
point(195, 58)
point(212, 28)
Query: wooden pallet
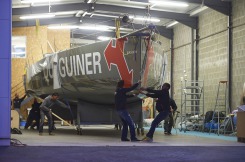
point(15, 119)
point(241, 139)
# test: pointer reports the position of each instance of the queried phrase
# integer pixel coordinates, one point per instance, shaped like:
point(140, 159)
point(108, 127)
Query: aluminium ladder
point(220, 110)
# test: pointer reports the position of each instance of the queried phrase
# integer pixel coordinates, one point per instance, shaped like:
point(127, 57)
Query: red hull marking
point(114, 55)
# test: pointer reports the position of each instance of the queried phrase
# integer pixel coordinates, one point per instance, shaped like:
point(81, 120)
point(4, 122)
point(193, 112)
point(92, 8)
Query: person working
point(34, 114)
point(162, 106)
point(169, 121)
point(45, 110)
point(120, 102)
point(17, 103)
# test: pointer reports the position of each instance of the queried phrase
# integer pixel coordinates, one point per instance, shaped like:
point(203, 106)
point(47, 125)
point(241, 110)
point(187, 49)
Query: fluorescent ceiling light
point(90, 1)
point(38, 1)
point(169, 3)
point(39, 16)
point(63, 27)
point(172, 24)
point(104, 15)
point(144, 19)
point(103, 38)
point(99, 28)
point(201, 9)
point(65, 13)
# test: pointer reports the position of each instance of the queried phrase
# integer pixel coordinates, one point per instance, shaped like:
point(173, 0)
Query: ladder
point(220, 110)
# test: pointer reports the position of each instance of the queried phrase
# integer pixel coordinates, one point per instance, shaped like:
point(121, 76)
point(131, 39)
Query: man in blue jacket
point(45, 110)
point(120, 102)
point(162, 106)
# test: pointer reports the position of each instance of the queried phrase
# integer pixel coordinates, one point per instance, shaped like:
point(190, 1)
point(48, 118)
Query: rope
point(15, 142)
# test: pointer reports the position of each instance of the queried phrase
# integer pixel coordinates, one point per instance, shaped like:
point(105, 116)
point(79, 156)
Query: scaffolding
point(192, 105)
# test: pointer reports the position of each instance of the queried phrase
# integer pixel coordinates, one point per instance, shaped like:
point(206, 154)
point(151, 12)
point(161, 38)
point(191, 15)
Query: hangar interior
point(203, 42)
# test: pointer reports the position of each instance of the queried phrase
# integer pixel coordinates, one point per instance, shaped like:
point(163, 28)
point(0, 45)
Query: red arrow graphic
point(114, 55)
point(149, 61)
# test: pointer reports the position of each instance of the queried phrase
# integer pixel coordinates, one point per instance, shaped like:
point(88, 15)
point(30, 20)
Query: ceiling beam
point(91, 35)
point(182, 18)
point(168, 33)
point(42, 22)
point(143, 1)
point(45, 9)
point(217, 5)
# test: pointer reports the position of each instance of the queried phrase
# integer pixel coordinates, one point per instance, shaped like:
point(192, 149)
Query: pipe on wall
point(172, 66)
point(229, 53)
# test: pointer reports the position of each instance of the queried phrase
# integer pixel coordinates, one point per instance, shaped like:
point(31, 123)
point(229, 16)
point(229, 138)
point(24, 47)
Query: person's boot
point(135, 140)
point(142, 131)
point(147, 139)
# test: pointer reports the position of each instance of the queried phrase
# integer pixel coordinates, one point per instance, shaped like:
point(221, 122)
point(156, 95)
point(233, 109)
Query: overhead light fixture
point(199, 10)
point(149, 19)
point(85, 27)
point(169, 3)
point(104, 15)
point(103, 38)
point(90, 1)
point(99, 28)
point(38, 16)
point(38, 1)
point(171, 24)
point(63, 27)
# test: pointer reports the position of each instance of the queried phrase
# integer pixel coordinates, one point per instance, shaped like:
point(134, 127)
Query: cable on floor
point(15, 142)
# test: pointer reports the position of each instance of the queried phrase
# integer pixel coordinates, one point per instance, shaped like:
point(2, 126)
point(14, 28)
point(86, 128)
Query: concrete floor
point(106, 135)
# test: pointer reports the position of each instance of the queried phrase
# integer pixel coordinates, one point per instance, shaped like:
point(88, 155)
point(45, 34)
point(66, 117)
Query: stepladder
point(219, 123)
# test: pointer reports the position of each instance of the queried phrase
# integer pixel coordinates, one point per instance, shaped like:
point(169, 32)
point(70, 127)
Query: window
point(18, 47)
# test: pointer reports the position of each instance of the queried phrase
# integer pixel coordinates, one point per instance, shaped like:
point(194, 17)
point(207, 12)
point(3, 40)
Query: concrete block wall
point(166, 49)
point(182, 59)
point(238, 57)
point(212, 54)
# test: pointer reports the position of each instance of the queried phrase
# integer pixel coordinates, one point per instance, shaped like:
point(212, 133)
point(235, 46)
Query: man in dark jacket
point(45, 110)
point(169, 121)
point(120, 102)
point(162, 106)
point(34, 114)
point(17, 103)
